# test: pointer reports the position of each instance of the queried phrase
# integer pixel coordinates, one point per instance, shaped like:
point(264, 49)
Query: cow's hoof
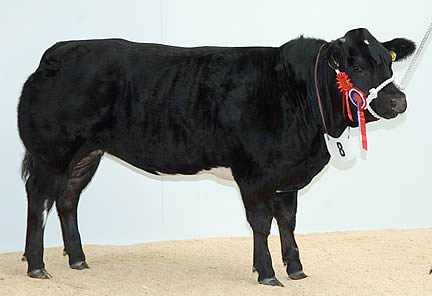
point(430, 271)
point(65, 253)
point(297, 275)
point(80, 265)
point(23, 258)
point(271, 282)
point(41, 274)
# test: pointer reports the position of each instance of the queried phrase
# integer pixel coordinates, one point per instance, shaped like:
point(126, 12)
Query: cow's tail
point(26, 166)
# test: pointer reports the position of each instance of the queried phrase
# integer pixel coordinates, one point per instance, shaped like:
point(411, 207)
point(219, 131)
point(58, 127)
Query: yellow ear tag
point(393, 55)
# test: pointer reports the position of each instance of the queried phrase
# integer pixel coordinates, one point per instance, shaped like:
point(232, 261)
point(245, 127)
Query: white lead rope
point(415, 58)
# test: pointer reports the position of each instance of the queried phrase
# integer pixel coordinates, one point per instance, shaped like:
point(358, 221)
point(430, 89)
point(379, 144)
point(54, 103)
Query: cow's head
point(368, 63)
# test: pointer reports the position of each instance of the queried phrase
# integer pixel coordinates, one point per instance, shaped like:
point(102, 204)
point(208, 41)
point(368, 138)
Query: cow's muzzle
point(390, 106)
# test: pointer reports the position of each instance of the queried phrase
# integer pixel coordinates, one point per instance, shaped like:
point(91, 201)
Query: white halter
point(373, 94)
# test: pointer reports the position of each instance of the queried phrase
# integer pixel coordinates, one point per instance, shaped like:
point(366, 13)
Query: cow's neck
point(330, 97)
point(296, 75)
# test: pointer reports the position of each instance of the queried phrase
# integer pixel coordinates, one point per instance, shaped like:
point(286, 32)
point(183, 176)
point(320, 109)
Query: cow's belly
point(220, 172)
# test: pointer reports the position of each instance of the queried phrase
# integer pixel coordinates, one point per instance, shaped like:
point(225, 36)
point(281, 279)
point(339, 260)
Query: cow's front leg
point(257, 202)
point(285, 210)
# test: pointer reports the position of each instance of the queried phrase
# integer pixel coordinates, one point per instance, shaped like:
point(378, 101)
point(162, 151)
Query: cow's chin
point(390, 114)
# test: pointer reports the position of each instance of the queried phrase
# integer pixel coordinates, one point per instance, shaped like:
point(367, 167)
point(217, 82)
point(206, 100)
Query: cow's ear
point(400, 48)
point(335, 53)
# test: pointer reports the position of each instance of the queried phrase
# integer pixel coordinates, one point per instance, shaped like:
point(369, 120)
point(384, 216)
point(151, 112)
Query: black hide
point(182, 110)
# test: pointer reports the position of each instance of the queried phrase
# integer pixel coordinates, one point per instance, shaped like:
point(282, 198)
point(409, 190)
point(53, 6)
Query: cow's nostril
point(398, 105)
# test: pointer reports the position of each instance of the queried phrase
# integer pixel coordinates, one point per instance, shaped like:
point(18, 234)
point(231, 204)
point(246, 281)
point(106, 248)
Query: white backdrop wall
point(388, 189)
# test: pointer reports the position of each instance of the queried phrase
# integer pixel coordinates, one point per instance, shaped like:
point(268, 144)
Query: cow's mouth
point(390, 114)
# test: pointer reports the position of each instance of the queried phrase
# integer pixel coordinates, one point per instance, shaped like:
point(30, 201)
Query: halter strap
point(373, 94)
point(317, 91)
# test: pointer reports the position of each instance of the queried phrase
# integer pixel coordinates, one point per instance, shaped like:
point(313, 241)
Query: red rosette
point(343, 82)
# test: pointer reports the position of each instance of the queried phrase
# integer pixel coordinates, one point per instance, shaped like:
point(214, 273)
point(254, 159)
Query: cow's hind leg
point(67, 204)
point(257, 202)
point(43, 186)
point(285, 210)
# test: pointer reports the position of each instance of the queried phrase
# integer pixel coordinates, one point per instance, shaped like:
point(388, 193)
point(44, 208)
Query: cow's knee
point(260, 217)
point(285, 208)
point(65, 206)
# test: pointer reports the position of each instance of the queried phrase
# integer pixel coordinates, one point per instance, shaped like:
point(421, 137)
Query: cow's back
point(160, 107)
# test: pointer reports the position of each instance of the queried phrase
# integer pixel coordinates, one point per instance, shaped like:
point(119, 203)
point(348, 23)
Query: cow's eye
point(357, 68)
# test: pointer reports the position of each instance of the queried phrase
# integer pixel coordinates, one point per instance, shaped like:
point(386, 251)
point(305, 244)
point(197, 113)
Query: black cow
point(176, 110)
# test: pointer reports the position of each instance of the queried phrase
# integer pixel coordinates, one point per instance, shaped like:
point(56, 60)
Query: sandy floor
point(349, 263)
